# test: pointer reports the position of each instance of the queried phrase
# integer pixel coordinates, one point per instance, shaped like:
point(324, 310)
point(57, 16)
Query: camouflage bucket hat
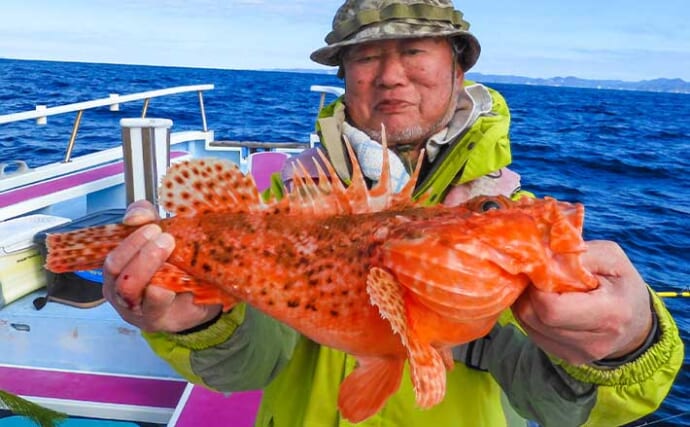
point(361, 21)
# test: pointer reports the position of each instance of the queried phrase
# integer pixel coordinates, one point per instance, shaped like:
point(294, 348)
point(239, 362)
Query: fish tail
point(83, 249)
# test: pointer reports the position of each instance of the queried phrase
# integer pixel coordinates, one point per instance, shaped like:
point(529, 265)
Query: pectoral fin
point(364, 392)
point(176, 279)
point(427, 367)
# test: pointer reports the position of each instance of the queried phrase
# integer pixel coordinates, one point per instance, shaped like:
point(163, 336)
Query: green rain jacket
point(500, 380)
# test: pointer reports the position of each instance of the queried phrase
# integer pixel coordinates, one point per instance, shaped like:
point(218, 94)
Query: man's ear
point(459, 73)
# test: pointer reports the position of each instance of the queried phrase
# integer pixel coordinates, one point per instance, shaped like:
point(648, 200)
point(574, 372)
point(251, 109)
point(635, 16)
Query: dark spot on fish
point(311, 306)
point(313, 282)
point(345, 292)
point(271, 302)
point(195, 253)
point(264, 291)
point(207, 268)
point(293, 303)
point(334, 313)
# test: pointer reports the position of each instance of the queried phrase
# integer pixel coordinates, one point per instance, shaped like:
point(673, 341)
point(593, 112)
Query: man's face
point(408, 85)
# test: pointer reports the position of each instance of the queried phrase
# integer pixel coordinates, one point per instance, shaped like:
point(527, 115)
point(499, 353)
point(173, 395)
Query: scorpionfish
point(379, 275)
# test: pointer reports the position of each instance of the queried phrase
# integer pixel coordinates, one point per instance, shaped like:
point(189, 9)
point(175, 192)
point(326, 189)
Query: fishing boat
point(62, 347)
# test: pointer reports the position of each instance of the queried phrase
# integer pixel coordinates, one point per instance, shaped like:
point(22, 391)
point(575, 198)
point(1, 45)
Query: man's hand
point(128, 269)
point(581, 327)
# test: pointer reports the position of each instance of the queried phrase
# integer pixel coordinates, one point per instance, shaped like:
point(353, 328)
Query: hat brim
point(331, 54)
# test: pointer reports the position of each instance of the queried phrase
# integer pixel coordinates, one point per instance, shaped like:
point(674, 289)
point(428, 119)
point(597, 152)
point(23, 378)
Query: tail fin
point(83, 249)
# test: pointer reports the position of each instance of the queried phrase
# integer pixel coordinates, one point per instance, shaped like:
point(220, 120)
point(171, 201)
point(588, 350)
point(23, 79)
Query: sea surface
point(624, 154)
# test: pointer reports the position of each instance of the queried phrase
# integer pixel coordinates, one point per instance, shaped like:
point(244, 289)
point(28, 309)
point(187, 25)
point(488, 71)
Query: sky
point(602, 39)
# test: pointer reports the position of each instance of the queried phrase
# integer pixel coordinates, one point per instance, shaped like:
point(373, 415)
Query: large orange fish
point(368, 272)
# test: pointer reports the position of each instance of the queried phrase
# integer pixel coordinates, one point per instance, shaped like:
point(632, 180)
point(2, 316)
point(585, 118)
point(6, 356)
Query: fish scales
point(309, 272)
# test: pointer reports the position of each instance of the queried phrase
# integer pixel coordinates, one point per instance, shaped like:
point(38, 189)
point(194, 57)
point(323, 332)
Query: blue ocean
point(625, 155)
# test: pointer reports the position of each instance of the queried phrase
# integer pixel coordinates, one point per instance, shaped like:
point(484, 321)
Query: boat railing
point(246, 148)
point(326, 90)
point(113, 101)
point(22, 180)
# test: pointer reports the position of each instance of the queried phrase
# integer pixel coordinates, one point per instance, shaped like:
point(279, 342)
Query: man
point(605, 357)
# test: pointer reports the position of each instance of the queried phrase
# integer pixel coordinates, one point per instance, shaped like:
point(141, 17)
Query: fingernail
point(135, 211)
point(122, 302)
point(165, 241)
point(150, 231)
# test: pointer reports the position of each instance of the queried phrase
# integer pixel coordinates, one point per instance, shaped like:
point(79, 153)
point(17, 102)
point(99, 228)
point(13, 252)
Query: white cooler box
point(21, 262)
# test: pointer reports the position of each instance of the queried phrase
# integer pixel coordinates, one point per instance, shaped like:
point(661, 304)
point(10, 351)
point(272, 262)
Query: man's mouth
point(392, 106)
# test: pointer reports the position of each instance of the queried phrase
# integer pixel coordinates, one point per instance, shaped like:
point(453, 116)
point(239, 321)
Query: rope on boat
point(650, 423)
point(673, 294)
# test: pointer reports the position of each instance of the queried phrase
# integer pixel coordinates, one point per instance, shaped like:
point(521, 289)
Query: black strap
point(472, 354)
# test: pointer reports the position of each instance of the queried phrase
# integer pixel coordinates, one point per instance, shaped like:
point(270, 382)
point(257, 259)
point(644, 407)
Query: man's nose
point(392, 71)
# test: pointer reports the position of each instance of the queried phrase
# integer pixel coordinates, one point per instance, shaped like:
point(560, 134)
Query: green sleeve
point(537, 389)
point(554, 393)
point(243, 350)
point(637, 388)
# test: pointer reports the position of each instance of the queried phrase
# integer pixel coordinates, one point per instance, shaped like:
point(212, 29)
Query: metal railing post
point(146, 154)
point(203, 111)
point(73, 137)
point(145, 109)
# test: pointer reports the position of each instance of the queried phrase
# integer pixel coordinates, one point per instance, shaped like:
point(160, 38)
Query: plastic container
point(81, 288)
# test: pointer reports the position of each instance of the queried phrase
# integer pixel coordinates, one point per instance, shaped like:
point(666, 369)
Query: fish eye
point(489, 205)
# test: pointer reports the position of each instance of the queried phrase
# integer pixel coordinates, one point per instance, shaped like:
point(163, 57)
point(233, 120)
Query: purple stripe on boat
point(63, 183)
point(81, 386)
point(237, 409)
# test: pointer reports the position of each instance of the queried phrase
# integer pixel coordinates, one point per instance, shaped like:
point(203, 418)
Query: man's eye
point(363, 59)
point(413, 52)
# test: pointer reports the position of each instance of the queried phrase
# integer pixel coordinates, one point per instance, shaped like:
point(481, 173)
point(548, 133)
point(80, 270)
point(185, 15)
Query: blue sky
point(603, 39)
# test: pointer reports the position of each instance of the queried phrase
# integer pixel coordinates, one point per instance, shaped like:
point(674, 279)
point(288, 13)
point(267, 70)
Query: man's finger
point(139, 213)
point(137, 273)
point(565, 310)
point(605, 258)
point(119, 257)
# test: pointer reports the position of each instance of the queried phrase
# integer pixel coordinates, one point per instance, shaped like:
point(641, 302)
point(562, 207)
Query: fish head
point(556, 227)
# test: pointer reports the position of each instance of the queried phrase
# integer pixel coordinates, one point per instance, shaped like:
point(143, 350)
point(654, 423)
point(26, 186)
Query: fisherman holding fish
point(604, 357)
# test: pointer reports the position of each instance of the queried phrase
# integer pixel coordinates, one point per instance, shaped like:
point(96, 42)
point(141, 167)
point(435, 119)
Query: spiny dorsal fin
point(329, 196)
point(201, 186)
point(208, 185)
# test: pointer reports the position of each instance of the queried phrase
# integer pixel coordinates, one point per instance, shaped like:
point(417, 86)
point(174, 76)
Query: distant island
point(654, 85)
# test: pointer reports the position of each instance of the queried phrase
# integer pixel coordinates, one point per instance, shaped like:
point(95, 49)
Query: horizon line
point(333, 71)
